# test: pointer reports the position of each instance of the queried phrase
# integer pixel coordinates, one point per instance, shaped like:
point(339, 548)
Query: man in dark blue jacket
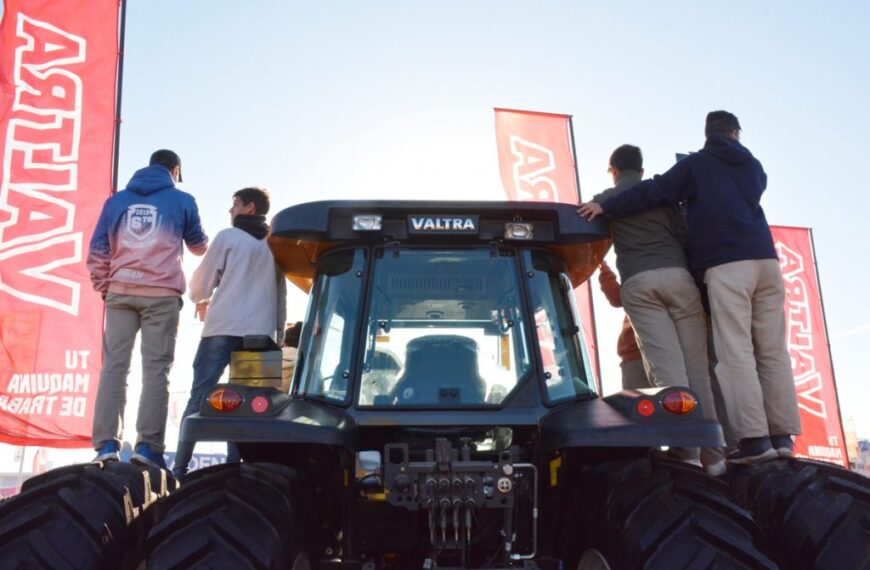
point(730, 245)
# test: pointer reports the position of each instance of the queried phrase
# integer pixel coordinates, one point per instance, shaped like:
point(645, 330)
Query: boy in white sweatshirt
point(239, 290)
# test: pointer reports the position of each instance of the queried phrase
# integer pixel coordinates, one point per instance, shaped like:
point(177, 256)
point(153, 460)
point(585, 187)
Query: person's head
point(624, 158)
point(722, 122)
point(168, 159)
point(291, 334)
point(251, 201)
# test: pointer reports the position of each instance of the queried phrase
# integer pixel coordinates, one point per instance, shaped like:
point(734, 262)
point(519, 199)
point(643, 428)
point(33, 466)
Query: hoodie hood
point(727, 149)
point(150, 179)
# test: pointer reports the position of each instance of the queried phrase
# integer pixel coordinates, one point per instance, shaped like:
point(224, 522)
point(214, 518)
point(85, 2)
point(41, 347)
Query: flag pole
point(122, 29)
point(588, 286)
point(574, 154)
point(23, 449)
point(828, 343)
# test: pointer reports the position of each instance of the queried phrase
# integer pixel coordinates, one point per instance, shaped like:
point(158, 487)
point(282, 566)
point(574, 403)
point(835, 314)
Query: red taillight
point(645, 407)
point(679, 402)
point(260, 404)
point(225, 400)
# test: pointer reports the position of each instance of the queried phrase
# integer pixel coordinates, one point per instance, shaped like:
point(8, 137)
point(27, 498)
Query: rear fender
point(617, 421)
point(285, 420)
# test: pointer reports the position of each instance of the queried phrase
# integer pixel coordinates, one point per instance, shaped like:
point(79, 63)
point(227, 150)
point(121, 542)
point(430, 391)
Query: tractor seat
point(440, 370)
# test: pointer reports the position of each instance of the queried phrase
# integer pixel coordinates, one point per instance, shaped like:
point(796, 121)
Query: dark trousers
point(212, 358)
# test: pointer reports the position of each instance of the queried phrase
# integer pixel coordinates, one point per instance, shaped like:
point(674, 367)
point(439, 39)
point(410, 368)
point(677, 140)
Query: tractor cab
point(438, 305)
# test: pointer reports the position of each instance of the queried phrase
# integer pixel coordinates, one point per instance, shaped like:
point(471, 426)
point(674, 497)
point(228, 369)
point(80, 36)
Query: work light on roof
point(518, 230)
point(366, 222)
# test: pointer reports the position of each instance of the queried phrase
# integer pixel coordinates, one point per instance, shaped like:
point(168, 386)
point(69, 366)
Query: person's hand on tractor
point(590, 210)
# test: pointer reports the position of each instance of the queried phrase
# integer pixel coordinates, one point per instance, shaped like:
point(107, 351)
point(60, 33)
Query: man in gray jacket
point(239, 290)
point(660, 296)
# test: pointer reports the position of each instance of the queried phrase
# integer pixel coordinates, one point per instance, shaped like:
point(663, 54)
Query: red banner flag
point(822, 436)
point(535, 157)
point(58, 70)
point(536, 161)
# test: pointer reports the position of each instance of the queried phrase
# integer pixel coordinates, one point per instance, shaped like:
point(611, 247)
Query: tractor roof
point(300, 234)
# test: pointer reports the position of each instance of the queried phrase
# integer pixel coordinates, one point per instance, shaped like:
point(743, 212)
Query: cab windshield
point(445, 329)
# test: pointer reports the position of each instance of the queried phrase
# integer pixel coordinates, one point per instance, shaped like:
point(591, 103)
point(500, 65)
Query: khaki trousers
point(634, 375)
point(753, 369)
point(126, 315)
point(721, 410)
point(665, 309)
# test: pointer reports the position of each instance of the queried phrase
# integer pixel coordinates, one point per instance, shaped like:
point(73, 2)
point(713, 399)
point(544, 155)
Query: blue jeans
point(212, 358)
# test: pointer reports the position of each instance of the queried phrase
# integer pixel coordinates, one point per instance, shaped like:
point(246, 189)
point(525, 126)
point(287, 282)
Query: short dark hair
point(721, 122)
point(258, 196)
point(627, 157)
point(291, 334)
point(167, 158)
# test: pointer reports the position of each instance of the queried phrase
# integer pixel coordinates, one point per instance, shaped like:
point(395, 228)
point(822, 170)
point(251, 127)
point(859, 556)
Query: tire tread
point(812, 514)
point(231, 516)
point(78, 516)
point(657, 515)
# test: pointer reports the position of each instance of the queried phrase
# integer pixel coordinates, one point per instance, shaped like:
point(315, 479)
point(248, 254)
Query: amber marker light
point(645, 407)
point(225, 400)
point(679, 402)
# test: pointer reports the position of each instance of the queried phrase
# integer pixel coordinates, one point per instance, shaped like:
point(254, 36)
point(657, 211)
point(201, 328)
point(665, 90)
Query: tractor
point(443, 414)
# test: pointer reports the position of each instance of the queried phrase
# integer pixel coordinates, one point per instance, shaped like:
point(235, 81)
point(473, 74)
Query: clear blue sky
point(390, 99)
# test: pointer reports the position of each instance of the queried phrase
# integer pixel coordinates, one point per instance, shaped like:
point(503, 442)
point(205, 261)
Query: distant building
point(863, 457)
point(856, 461)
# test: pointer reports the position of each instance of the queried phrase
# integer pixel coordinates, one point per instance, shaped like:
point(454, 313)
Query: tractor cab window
point(445, 329)
point(566, 369)
point(326, 352)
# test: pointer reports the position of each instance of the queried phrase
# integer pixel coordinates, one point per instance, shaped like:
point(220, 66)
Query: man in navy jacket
point(730, 245)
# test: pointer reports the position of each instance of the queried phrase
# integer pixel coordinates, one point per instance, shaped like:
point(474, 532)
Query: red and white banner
point(535, 157)
point(536, 161)
point(58, 69)
point(822, 436)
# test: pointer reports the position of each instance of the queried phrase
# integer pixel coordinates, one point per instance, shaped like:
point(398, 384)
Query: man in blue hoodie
point(135, 263)
point(730, 245)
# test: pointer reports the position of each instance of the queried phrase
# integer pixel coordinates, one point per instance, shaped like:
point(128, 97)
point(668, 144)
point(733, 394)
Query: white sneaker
point(685, 455)
point(716, 469)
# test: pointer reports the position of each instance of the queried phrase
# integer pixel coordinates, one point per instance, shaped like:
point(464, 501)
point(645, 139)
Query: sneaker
point(716, 469)
point(108, 452)
point(143, 455)
point(783, 444)
point(687, 455)
point(752, 450)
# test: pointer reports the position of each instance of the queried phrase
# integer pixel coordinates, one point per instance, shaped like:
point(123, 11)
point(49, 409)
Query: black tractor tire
point(242, 515)
point(82, 516)
point(660, 515)
point(812, 514)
